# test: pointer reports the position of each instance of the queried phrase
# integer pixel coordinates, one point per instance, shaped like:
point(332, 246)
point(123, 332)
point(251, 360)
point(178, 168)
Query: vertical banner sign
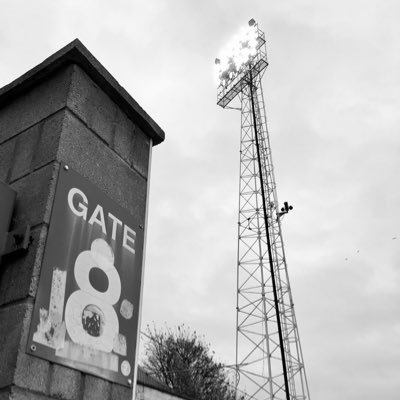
point(87, 305)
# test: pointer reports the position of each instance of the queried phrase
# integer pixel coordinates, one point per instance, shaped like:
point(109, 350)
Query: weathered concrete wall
point(148, 393)
point(66, 117)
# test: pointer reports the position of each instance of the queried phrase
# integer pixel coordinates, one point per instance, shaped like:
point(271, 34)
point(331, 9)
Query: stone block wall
point(66, 117)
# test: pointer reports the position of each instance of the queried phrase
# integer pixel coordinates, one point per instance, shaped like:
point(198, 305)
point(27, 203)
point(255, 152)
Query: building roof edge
point(76, 53)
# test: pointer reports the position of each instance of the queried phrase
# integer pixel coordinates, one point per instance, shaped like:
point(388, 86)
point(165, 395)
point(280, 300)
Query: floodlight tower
point(269, 360)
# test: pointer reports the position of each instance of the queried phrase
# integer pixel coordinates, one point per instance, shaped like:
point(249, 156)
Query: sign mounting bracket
point(17, 241)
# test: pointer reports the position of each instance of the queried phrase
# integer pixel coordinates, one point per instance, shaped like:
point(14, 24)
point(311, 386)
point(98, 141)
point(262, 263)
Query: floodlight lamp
point(242, 60)
point(238, 54)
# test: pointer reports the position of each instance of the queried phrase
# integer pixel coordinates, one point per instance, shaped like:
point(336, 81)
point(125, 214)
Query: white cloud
point(332, 93)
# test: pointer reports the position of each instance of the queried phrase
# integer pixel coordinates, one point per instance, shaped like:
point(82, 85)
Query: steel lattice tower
point(269, 360)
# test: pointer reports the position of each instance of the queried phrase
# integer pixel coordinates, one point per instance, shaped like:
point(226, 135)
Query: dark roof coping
point(76, 53)
point(145, 379)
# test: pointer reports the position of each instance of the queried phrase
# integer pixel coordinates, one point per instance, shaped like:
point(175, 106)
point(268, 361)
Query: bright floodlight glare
point(237, 54)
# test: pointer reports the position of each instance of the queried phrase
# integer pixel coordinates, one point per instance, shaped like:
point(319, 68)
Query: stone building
point(69, 114)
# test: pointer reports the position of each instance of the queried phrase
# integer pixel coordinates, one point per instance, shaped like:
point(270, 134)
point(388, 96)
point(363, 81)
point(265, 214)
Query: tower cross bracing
point(269, 361)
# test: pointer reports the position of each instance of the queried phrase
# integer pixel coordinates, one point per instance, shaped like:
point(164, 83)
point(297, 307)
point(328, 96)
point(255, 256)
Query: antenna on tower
point(269, 360)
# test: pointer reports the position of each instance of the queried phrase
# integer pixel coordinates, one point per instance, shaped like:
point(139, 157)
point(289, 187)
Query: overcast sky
point(332, 93)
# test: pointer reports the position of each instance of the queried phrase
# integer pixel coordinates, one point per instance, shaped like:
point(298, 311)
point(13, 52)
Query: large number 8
point(90, 317)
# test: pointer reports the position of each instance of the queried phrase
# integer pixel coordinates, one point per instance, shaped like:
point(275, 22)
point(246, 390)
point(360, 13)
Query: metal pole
point(271, 265)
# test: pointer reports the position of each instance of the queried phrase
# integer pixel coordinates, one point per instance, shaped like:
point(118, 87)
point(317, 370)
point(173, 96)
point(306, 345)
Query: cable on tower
point(269, 360)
